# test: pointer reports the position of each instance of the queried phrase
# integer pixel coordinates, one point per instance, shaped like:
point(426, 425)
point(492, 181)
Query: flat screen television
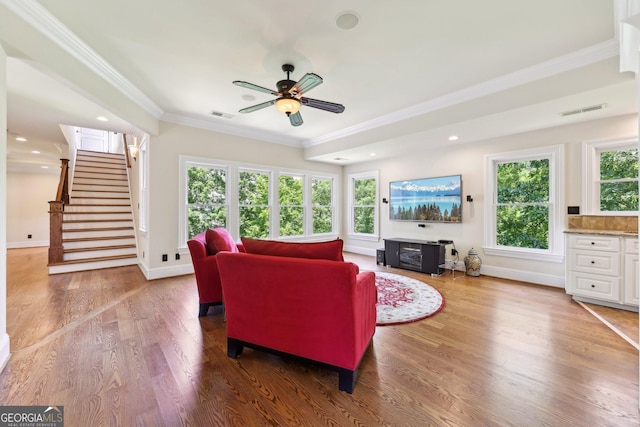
point(436, 199)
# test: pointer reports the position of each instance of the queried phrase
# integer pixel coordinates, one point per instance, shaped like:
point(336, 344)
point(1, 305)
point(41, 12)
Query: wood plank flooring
point(117, 350)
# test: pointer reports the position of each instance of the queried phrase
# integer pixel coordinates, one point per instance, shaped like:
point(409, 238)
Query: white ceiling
point(431, 68)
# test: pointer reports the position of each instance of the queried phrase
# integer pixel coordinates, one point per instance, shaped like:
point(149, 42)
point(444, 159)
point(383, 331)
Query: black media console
point(420, 255)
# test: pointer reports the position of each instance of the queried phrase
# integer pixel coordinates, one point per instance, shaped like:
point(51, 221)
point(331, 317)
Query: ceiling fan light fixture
point(288, 105)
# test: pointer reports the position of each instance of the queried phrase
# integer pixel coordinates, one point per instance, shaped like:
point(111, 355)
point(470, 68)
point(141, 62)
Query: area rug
point(403, 299)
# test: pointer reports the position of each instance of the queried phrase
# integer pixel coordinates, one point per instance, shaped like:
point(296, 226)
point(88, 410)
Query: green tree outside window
point(364, 205)
point(291, 197)
point(253, 202)
point(522, 213)
point(206, 199)
point(321, 202)
point(619, 180)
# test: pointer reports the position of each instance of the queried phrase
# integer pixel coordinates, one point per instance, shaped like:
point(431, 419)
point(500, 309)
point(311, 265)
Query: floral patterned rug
point(403, 299)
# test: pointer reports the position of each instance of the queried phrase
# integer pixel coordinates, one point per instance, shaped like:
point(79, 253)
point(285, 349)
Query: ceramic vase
point(472, 263)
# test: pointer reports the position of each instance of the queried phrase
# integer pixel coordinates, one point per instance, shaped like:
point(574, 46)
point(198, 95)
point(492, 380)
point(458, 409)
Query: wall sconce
point(133, 149)
point(469, 198)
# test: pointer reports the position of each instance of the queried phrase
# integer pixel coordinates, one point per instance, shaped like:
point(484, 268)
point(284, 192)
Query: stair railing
point(126, 150)
point(56, 209)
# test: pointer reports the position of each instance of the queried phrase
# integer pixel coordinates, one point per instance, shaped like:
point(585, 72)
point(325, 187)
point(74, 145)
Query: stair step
point(98, 248)
point(92, 239)
point(97, 208)
point(99, 200)
point(69, 267)
point(79, 230)
point(90, 173)
point(71, 217)
point(81, 152)
point(106, 258)
point(100, 194)
point(91, 233)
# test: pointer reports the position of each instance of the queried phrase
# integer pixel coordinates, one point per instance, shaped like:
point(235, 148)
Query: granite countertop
point(602, 232)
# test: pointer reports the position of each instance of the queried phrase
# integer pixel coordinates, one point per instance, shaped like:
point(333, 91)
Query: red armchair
point(315, 309)
point(203, 249)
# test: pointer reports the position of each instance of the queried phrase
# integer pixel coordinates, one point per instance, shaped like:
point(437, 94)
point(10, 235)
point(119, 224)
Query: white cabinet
point(602, 269)
point(631, 272)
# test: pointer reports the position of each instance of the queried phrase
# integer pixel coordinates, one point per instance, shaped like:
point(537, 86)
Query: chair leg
point(234, 348)
point(204, 309)
point(346, 380)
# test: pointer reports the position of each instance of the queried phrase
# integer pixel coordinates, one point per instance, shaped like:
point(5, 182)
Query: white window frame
point(304, 204)
point(233, 213)
point(555, 155)
point(351, 179)
point(591, 173)
point(183, 204)
point(334, 209)
point(272, 202)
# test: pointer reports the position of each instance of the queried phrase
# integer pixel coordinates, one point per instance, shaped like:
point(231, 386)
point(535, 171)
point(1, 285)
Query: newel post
point(55, 232)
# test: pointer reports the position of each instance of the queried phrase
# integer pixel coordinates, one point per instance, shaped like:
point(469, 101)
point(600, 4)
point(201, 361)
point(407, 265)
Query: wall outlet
point(165, 257)
point(177, 257)
point(453, 251)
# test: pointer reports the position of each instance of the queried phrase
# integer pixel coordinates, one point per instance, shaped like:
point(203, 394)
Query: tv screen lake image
point(427, 199)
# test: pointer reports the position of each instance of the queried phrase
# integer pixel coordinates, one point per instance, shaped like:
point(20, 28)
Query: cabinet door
point(595, 286)
point(392, 253)
point(631, 279)
point(596, 262)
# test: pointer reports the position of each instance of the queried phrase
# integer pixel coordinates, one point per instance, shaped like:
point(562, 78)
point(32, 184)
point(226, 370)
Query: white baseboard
point(27, 244)
point(5, 351)
point(523, 276)
point(162, 272)
point(501, 272)
point(360, 250)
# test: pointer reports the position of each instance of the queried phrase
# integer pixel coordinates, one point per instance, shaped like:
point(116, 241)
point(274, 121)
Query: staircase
point(97, 223)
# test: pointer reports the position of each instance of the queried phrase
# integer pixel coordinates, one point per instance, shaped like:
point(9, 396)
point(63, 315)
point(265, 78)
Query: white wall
point(4, 337)
point(468, 160)
point(164, 151)
point(28, 197)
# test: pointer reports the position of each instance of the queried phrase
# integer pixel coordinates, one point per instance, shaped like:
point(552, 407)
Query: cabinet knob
point(593, 262)
point(593, 243)
point(593, 286)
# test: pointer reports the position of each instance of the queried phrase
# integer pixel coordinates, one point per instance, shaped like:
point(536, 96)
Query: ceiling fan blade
point(305, 84)
point(295, 119)
point(322, 105)
point(254, 87)
point(257, 107)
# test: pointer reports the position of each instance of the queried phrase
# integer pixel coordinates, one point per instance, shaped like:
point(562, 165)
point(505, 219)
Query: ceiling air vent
point(583, 110)
point(215, 113)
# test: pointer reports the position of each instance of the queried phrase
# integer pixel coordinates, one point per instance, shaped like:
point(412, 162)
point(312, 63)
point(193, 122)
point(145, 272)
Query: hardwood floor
point(115, 349)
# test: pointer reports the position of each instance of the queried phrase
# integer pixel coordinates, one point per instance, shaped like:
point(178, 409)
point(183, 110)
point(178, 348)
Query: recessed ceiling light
point(21, 138)
point(347, 20)
point(372, 154)
point(339, 159)
point(453, 138)
point(35, 152)
point(102, 118)
point(44, 167)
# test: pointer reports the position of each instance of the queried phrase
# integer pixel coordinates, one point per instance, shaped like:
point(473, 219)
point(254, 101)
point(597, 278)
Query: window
point(253, 202)
point(524, 214)
point(290, 194)
point(611, 177)
point(250, 202)
point(206, 198)
point(322, 205)
point(363, 209)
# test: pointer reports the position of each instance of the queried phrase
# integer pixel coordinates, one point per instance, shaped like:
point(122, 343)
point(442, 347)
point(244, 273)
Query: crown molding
point(229, 129)
point(577, 59)
point(43, 21)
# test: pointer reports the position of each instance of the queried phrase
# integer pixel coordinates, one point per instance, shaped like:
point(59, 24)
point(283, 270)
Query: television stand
point(424, 256)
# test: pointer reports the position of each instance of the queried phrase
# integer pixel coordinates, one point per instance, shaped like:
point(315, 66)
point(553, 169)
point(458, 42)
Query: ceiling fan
point(290, 97)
